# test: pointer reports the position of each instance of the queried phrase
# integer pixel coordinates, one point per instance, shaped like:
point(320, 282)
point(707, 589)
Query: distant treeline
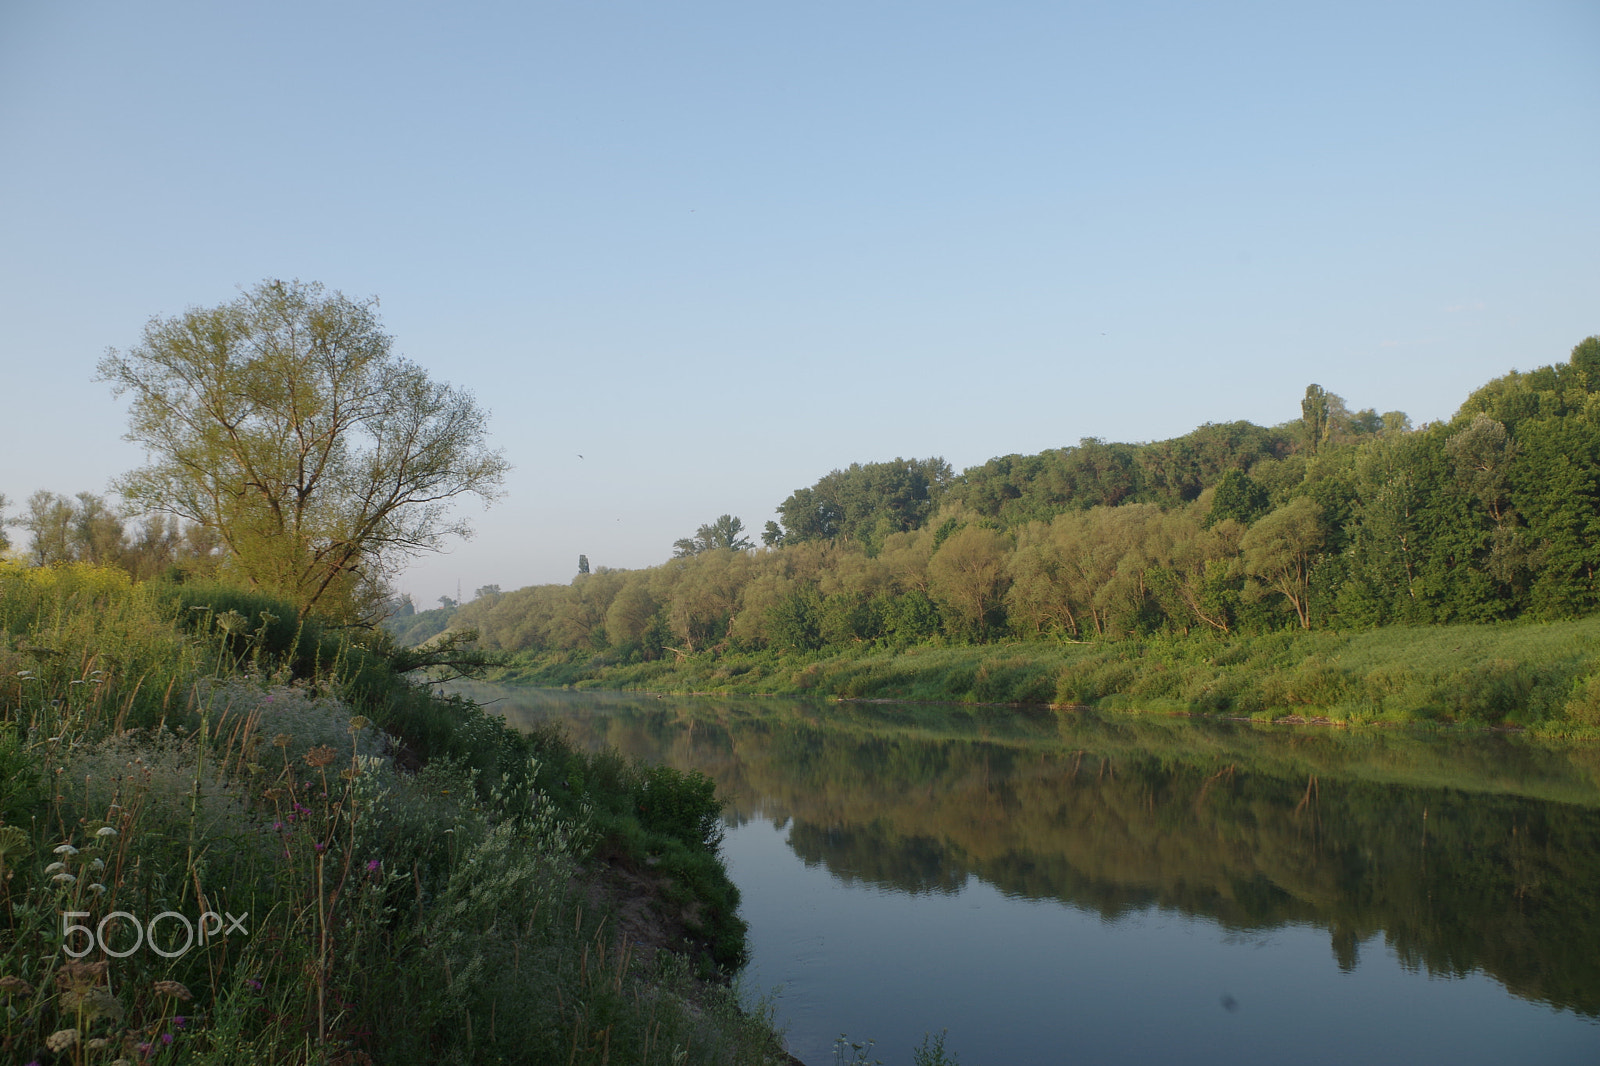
point(87, 528)
point(1337, 519)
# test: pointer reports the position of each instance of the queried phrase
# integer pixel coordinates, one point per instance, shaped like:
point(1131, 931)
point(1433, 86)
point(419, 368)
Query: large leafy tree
point(1280, 551)
point(968, 579)
point(285, 423)
point(867, 502)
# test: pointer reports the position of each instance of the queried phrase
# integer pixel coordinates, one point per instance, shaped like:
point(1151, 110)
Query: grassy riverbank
point(347, 868)
point(1544, 677)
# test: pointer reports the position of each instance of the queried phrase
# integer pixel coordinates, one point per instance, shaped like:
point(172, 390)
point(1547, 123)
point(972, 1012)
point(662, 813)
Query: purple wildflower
point(166, 1038)
point(179, 1021)
point(372, 866)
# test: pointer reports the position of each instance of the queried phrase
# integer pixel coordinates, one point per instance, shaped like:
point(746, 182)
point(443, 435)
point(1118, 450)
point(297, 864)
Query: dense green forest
point(1337, 520)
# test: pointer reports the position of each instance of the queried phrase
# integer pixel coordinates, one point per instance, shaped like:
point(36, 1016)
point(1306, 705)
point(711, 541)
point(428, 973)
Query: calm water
point(1131, 890)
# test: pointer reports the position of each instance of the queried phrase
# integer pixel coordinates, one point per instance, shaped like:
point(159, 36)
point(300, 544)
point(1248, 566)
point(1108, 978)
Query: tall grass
point(1542, 677)
point(347, 869)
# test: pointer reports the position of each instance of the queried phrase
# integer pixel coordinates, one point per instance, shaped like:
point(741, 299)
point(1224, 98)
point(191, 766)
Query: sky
point(693, 256)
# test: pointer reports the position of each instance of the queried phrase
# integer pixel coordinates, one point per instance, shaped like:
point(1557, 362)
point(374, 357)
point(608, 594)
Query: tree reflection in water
point(1464, 852)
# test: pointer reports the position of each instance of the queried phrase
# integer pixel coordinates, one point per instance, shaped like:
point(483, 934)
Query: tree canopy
point(284, 422)
point(726, 532)
point(866, 502)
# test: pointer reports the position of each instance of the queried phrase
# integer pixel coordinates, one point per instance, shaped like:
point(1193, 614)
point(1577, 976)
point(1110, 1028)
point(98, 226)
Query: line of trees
point(88, 528)
point(1339, 518)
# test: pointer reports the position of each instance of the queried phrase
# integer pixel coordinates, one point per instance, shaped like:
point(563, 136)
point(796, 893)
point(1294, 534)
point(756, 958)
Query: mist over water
point(1129, 889)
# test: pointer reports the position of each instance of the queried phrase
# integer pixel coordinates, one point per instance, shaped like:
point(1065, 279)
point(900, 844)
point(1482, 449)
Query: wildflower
point(98, 889)
point(98, 865)
point(358, 723)
point(320, 756)
point(65, 879)
point(175, 989)
point(99, 1043)
point(105, 831)
point(61, 1039)
point(179, 1021)
point(15, 986)
point(282, 740)
point(253, 983)
point(55, 867)
point(66, 849)
point(80, 975)
point(12, 840)
point(89, 1003)
point(166, 1038)
point(372, 866)
point(321, 846)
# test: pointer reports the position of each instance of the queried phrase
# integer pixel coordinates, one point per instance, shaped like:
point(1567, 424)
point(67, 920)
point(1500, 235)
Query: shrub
point(1488, 692)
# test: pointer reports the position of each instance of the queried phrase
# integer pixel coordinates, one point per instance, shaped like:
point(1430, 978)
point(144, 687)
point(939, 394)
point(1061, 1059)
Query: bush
point(1488, 692)
point(1583, 707)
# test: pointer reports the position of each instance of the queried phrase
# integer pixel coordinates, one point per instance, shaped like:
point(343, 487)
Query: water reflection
point(1460, 854)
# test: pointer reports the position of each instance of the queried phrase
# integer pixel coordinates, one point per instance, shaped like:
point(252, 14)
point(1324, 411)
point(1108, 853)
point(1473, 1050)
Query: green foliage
point(286, 771)
point(795, 621)
point(1530, 676)
point(725, 534)
point(1239, 498)
point(284, 424)
point(864, 503)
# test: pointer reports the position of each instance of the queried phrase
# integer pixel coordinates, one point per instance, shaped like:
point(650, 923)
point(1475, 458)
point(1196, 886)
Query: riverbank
point(368, 871)
point(1541, 677)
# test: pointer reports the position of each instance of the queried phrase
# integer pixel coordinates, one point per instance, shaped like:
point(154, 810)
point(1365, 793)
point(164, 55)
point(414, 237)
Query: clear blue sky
point(722, 248)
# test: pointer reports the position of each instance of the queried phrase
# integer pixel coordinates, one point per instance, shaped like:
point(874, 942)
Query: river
point(1131, 889)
